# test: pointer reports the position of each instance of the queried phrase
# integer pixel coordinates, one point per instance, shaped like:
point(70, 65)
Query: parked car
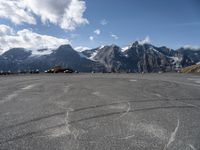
point(69, 71)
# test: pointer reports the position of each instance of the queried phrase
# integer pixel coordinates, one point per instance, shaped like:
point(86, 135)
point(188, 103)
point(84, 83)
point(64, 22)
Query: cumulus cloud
point(146, 40)
point(6, 30)
point(68, 14)
point(114, 36)
point(27, 39)
point(91, 38)
point(97, 31)
point(15, 10)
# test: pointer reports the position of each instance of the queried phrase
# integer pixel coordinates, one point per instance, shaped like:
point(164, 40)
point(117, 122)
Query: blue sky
point(173, 23)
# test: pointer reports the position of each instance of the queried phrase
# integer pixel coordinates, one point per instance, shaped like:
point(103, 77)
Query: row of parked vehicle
point(20, 72)
point(57, 69)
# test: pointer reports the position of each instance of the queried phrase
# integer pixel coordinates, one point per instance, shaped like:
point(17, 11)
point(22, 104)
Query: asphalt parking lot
point(100, 112)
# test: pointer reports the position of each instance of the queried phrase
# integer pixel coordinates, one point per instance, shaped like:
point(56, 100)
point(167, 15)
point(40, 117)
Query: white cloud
point(81, 48)
point(193, 47)
point(114, 36)
point(68, 14)
point(97, 31)
point(104, 22)
point(28, 39)
point(147, 40)
point(6, 30)
point(15, 10)
point(91, 38)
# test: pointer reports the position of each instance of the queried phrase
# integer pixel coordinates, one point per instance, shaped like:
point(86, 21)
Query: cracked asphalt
point(100, 112)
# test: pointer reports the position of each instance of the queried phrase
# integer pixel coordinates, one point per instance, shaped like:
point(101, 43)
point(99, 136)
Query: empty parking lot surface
point(100, 112)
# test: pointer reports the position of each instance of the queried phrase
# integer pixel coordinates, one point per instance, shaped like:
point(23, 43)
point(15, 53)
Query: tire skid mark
point(152, 88)
point(96, 106)
point(33, 120)
point(89, 118)
point(134, 101)
point(179, 101)
point(30, 134)
point(131, 111)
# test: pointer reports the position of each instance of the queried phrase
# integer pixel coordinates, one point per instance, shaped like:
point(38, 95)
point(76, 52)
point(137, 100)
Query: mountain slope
point(191, 69)
point(112, 58)
point(65, 56)
point(136, 57)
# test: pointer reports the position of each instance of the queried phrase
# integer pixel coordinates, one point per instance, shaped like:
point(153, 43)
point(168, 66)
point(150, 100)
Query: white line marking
point(190, 79)
point(191, 146)
point(9, 97)
point(67, 88)
point(29, 87)
point(158, 95)
point(173, 136)
point(197, 82)
point(96, 93)
point(188, 84)
point(16, 93)
point(133, 80)
point(127, 137)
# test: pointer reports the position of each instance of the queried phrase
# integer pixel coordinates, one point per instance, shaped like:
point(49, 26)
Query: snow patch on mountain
point(176, 59)
point(125, 48)
point(153, 49)
point(93, 55)
point(102, 46)
point(81, 48)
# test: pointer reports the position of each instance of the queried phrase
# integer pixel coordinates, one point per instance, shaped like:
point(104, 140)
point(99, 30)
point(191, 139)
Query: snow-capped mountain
point(142, 57)
point(137, 57)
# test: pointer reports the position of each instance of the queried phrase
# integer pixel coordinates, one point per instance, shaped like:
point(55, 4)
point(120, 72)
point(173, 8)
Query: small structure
point(59, 69)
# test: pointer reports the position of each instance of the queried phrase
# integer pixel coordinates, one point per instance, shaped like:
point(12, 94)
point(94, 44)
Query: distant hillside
point(191, 69)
